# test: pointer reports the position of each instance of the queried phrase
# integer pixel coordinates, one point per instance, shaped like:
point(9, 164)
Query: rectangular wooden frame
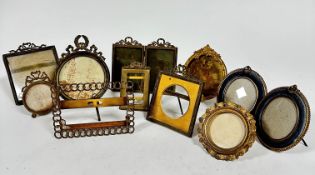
point(127, 44)
point(145, 78)
point(156, 114)
point(159, 45)
point(28, 49)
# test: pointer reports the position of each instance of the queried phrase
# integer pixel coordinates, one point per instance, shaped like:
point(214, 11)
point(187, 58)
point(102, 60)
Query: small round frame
point(82, 66)
point(215, 133)
point(244, 87)
point(36, 94)
point(283, 118)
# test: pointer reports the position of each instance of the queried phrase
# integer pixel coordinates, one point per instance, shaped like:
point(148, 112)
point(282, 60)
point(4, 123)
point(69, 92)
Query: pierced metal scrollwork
point(128, 41)
point(36, 76)
point(28, 46)
point(161, 43)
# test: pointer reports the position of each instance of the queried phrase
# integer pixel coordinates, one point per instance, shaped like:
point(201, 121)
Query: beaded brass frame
point(139, 72)
point(64, 130)
point(186, 122)
point(216, 151)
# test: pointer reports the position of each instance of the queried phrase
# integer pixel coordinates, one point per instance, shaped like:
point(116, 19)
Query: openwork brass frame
point(303, 120)
point(248, 73)
point(186, 122)
point(206, 64)
point(35, 78)
point(213, 149)
point(139, 72)
point(160, 56)
point(81, 49)
point(28, 51)
point(64, 130)
point(135, 53)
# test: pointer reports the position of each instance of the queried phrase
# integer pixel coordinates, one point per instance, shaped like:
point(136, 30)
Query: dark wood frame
point(248, 73)
point(196, 103)
point(127, 43)
point(301, 127)
point(25, 48)
point(160, 44)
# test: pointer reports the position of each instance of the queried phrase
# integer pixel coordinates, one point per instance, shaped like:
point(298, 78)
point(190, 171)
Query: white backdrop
point(276, 38)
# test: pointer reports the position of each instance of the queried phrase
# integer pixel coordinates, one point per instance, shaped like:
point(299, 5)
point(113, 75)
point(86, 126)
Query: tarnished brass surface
point(207, 65)
point(142, 76)
point(207, 141)
point(114, 101)
point(185, 123)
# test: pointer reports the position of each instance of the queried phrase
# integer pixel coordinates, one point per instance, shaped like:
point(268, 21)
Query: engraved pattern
point(250, 139)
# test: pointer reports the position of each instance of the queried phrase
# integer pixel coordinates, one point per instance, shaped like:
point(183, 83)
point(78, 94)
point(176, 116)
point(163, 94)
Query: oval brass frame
point(208, 51)
point(302, 125)
point(240, 149)
point(83, 50)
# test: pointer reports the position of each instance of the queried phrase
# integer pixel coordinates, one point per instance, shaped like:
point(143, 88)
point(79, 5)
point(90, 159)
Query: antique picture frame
point(37, 94)
point(26, 59)
point(206, 64)
point(82, 65)
point(125, 52)
point(100, 128)
point(142, 75)
point(229, 137)
point(284, 126)
point(185, 123)
point(239, 86)
point(160, 55)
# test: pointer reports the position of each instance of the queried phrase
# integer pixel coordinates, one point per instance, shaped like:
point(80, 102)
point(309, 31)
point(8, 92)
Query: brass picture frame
point(142, 75)
point(229, 137)
point(206, 64)
point(160, 55)
point(125, 52)
point(82, 65)
point(26, 59)
point(185, 123)
point(40, 101)
point(64, 130)
point(283, 118)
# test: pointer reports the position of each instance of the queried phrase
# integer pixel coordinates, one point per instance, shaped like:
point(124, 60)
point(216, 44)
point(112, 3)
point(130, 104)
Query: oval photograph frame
point(300, 127)
point(212, 146)
point(243, 73)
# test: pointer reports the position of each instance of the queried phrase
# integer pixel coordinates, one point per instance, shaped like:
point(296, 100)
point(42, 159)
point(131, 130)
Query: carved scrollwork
point(128, 41)
point(161, 43)
point(28, 46)
point(82, 46)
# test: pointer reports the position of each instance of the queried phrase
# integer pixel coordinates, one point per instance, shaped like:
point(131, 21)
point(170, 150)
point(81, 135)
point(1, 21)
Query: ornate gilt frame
point(28, 49)
point(159, 45)
point(81, 49)
point(216, 58)
point(185, 123)
point(143, 75)
point(213, 149)
point(36, 78)
point(127, 43)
